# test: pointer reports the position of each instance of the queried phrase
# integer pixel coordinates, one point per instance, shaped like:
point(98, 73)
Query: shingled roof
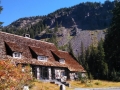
point(72, 64)
point(22, 44)
point(13, 46)
point(39, 51)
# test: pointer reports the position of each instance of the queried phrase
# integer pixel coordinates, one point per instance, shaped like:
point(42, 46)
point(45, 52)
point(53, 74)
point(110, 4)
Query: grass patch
point(44, 86)
point(73, 84)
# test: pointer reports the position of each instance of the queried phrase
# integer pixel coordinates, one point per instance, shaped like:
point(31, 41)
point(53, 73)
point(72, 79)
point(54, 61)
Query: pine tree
point(42, 27)
point(102, 65)
point(112, 43)
point(32, 33)
point(0, 12)
point(70, 50)
point(92, 61)
point(87, 56)
point(82, 56)
point(56, 28)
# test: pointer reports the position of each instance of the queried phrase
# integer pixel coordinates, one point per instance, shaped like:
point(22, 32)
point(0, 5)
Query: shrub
point(88, 84)
point(12, 76)
point(97, 83)
point(83, 80)
point(90, 77)
point(82, 77)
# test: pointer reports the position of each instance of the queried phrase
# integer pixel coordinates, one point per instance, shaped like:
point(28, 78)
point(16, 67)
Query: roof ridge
point(63, 51)
point(26, 38)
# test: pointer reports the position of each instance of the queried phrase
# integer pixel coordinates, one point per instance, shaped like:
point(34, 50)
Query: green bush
point(82, 77)
point(88, 85)
point(97, 83)
point(83, 80)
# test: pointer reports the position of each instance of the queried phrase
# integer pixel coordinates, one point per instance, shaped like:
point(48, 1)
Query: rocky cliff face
point(24, 22)
point(86, 38)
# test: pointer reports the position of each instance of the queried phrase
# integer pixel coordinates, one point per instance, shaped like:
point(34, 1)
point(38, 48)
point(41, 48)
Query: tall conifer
point(112, 40)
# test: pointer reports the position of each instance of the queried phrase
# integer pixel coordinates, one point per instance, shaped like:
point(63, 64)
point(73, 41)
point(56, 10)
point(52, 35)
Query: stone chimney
point(27, 35)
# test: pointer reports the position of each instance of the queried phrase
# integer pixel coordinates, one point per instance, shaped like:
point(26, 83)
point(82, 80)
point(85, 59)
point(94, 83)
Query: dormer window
point(61, 60)
point(42, 58)
point(16, 55)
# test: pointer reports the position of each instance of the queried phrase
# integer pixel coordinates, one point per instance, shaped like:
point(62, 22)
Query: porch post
point(49, 74)
point(38, 72)
point(31, 71)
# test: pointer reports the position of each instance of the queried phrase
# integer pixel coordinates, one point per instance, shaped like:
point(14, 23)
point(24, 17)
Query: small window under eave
point(17, 55)
point(62, 60)
point(42, 58)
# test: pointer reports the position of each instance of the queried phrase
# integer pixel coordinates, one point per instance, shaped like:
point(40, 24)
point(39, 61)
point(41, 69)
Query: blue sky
point(15, 9)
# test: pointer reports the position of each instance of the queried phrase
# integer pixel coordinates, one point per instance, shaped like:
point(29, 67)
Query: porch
point(45, 73)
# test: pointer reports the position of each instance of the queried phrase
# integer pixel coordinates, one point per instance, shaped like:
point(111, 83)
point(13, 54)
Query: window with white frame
point(42, 58)
point(16, 55)
point(62, 61)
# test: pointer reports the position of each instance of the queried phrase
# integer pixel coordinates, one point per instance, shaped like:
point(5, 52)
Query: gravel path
point(112, 88)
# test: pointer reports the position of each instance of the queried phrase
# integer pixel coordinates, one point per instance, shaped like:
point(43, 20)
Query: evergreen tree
point(82, 56)
point(42, 27)
point(95, 61)
point(56, 28)
point(0, 12)
point(92, 61)
point(87, 56)
point(70, 50)
point(53, 39)
point(112, 44)
point(32, 33)
point(102, 65)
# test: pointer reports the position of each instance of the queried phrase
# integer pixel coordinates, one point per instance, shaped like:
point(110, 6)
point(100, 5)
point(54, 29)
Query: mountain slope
point(86, 16)
point(68, 25)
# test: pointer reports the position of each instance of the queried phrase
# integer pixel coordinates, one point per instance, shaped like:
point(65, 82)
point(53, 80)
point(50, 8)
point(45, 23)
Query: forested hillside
point(103, 61)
